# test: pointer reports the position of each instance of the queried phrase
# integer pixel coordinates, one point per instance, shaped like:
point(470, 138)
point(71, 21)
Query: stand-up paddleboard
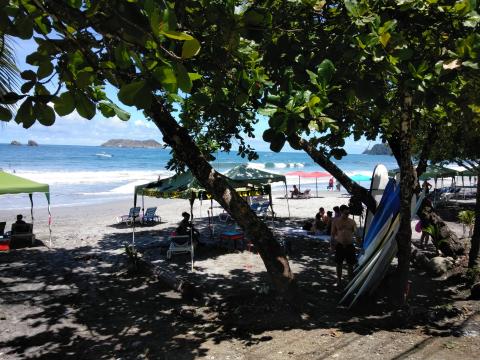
point(376, 235)
point(380, 262)
point(385, 208)
point(377, 187)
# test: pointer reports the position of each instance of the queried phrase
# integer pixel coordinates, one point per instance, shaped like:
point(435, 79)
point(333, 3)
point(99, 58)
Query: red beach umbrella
point(316, 175)
point(296, 173)
point(311, 174)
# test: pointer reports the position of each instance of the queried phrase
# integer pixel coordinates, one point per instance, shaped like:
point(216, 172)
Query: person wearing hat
point(343, 234)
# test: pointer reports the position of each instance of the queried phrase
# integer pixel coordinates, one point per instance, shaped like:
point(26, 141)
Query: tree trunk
point(448, 244)
point(407, 183)
point(351, 186)
point(215, 183)
point(473, 258)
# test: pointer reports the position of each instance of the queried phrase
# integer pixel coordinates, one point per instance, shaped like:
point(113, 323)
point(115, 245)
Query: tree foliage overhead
point(339, 68)
point(189, 54)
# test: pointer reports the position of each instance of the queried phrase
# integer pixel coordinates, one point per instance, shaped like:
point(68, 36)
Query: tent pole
point(192, 199)
point(143, 208)
point(49, 220)
point(31, 206)
point(286, 196)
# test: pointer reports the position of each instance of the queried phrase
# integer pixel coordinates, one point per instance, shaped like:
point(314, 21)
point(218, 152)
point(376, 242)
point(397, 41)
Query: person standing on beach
point(330, 184)
point(343, 233)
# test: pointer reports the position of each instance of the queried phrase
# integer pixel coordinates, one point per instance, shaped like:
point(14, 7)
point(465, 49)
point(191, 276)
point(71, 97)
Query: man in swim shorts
point(343, 234)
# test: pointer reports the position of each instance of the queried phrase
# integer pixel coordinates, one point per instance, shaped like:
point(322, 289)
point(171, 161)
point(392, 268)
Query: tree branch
point(352, 187)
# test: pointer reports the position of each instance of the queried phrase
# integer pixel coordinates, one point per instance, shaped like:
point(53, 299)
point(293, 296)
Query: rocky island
point(15, 142)
point(125, 143)
point(32, 143)
point(378, 149)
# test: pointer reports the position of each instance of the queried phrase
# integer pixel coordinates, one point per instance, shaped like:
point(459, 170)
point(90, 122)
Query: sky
point(74, 130)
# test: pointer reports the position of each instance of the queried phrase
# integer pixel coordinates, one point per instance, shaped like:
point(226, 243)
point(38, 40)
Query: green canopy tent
point(247, 176)
point(13, 184)
point(186, 186)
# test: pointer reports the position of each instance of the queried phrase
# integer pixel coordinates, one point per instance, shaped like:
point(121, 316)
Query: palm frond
point(9, 73)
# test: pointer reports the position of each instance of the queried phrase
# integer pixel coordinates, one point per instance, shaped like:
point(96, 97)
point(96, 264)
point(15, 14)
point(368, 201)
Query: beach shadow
point(87, 303)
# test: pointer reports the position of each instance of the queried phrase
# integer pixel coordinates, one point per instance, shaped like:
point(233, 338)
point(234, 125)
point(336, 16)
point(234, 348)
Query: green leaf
point(129, 92)
point(106, 110)
point(26, 87)
point(29, 75)
point(278, 142)
point(25, 114)
point(184, 81)
point(45, 114)
point(136, 93)
point(45, 69)
point(325, 71)
point(190, 48)
point(24, 28)
point(85, 107)
point(76, 4)
point(176, 35)
point(165, 75)
point(109, 109)
point(194, 76)
point(122, 57)
point(85, 78)
point(64, 104)
point(5, 114)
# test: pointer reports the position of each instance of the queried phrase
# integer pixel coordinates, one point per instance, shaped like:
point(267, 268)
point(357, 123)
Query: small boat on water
point(104, 155)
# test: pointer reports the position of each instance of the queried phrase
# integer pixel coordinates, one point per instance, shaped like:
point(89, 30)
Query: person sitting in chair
point(186, 226)
point(20, 219)
point(295, 192)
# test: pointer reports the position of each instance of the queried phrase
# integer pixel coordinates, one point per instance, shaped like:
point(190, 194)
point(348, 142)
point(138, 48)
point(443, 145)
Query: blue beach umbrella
point(360, 177)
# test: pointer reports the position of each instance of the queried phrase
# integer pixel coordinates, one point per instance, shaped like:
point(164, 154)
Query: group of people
point(342, 230)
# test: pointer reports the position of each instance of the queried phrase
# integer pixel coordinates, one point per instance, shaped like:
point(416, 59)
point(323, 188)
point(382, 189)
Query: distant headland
point(30, 143)
point(125, 143)
point(378, 149)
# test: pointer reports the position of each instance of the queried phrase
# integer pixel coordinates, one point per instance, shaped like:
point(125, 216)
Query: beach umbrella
point(316, 175)
point(311, 174)
point(360, 177)
point(296, 173)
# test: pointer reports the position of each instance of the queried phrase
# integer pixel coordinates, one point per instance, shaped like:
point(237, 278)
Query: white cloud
point(143, 123)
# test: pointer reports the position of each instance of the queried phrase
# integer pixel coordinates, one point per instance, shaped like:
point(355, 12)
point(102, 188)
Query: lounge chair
point(133, 215)
point(21, 236)
point(305, 195)
point(179, 244)
point(150, 216)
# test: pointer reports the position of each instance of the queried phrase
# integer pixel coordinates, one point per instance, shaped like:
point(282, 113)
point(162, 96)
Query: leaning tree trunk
point(215, 183)
point(351, 186)
point(473, 258)
point(448, 243)
point(407, 183)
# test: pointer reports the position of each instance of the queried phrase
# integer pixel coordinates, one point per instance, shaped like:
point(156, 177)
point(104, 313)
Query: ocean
point(92, 174)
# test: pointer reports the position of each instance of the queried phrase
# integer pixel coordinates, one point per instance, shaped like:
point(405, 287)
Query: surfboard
point(383, 257)
point(377, 187)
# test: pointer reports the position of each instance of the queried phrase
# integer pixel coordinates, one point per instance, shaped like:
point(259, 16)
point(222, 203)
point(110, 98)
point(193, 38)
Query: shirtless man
point(343, 232)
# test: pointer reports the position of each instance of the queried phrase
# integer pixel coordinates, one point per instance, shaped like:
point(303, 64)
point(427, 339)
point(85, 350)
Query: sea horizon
point(86, 174)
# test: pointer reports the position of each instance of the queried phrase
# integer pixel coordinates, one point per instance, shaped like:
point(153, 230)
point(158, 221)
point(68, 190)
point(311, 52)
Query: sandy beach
point(77, 299)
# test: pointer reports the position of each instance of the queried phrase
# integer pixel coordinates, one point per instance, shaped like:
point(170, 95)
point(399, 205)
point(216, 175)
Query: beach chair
point(133, 215)
point(150, 216)
point(262, 209)
point(305, 195)
point(21, 236)
point(179, 244)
